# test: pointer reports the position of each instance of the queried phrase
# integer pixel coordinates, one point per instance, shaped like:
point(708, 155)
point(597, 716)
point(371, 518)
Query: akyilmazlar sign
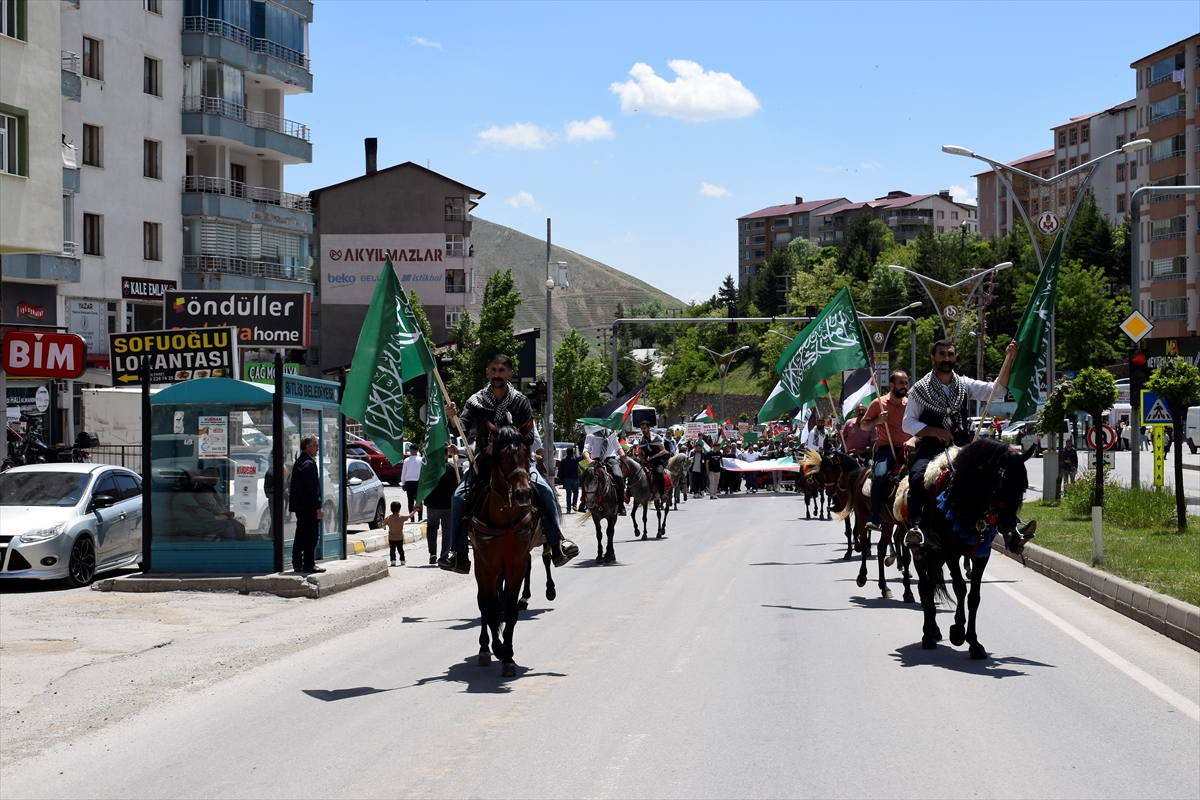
point(175, 356)
point(350, 266)
point(263, 319)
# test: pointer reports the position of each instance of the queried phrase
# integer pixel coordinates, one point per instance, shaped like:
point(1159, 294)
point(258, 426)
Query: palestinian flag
point(612, 415)
point(858, 386)
point(706, 415)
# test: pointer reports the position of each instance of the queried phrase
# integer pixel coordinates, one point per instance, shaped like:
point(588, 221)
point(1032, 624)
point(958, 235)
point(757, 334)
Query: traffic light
point(1139, 373)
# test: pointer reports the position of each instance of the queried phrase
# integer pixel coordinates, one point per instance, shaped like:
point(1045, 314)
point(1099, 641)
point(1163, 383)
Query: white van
point(1191, 429)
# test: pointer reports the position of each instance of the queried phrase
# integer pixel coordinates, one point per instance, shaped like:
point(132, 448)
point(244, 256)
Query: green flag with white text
point(436, 437)
point(1033, 336)
point(828, 345)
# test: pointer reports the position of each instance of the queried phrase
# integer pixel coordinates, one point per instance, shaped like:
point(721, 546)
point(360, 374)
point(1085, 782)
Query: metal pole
point(548, 422)
point(277, 465)
point(341, 459)
point(912, 340)
point(147, 468)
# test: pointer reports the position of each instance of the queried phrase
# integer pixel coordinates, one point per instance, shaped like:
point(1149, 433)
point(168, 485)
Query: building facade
point(1168, 109)
point(998, 210)
point(421, 219)
point(775, 226)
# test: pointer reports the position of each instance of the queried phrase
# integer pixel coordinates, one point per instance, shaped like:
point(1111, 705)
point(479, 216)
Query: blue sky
point(645, 130)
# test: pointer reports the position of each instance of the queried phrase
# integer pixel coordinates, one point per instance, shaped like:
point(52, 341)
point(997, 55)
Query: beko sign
point(350, 266)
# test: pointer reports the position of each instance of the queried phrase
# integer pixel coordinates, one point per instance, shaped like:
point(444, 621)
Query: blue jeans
point(544, 497)
point(885, 462)
point(571, 485)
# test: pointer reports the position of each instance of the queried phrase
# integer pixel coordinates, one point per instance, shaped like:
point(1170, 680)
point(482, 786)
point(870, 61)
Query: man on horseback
point(497, 404)
point(936, 414)
point(886, 412)
point(654, 456)
point(603, 447)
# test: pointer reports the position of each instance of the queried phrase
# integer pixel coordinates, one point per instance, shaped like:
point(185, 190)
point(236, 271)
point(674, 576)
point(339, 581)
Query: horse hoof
point(661, 536)
point(551, 593)
point(887, 562)
point(957, 635)
point(977, 652)
point(599, 558)
point(485, 658)
point(937, 633)
point(887, 594)
point(644, 537)
point(847, 557)
point(908, 597)
point(861, 580)
point(610, 557)
point(929, 643)
point(510, 670)
point(522, 605)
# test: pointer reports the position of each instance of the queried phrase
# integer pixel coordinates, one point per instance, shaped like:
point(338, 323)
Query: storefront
point(217, 448)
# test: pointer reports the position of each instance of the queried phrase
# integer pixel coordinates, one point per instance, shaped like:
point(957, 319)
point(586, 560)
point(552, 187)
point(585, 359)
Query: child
point(395, 529)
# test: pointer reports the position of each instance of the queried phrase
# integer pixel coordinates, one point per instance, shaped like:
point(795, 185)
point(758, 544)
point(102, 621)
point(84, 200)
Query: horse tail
point(841, 515)
point(937, 577)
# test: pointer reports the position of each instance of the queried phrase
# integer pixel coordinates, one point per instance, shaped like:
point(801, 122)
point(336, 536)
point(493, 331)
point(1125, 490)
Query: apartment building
point(34, 182)
point(1168, 109)
point(997, 207)
point(1083, 138)
point(904, 214)
point(421, 219)
point(776, 226)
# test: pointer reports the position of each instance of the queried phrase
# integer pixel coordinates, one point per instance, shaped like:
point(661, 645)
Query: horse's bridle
point(602, 479)
point(507, 477)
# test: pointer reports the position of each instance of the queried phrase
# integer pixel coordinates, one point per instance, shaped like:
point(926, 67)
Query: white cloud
point(523, 135)
point(522, 200)
point(628, 237)
point(961, 195)
point(595, 128)
point(695, 95)
point(708, 190)
point(423, 42)
point(870, 165)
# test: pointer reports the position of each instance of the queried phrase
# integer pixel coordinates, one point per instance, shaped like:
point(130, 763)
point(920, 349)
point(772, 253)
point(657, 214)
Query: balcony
point(216, 27)
point(70, 250)
point(214, 117)
point(1163, 118)
point(245, 267)
point(1162, 237)
point(203, 184)
point(892, 222)
point(255, 119)
point(1165, 156)
point(71, 69)
point(1168, 276)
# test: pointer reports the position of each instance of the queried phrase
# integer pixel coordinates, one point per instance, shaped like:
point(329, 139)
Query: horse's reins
point(521, 525)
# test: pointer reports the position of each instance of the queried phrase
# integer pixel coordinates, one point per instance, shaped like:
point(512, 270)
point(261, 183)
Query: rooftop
point(795, 208)
point(1029, 159)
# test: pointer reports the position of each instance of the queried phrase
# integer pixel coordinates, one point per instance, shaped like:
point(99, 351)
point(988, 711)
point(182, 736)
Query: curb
point(342, 575)
point(377, 540)
point(1167, 615)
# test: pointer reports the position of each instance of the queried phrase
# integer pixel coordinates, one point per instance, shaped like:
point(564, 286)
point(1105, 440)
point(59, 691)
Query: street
point(736, 658)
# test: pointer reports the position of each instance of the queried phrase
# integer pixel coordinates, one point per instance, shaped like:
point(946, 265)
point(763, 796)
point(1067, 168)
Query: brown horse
point(504, 527)
point(894, 528)
point(832, 471)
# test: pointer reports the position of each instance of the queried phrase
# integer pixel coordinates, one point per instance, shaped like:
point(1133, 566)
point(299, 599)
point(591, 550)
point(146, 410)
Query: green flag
point(1033, 336)
point(779, 402)
point(418, 358)
point(436, 437)
point(374, 391)
point(829, 344)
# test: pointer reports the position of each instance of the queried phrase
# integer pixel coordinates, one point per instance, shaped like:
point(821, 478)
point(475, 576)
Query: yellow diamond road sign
point(1136, 326)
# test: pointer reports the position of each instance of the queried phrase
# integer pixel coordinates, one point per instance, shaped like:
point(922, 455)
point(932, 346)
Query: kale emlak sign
point(263, 319)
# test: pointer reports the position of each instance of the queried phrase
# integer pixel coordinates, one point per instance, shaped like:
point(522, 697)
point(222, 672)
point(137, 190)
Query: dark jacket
point(475, 417)
point(305, 494)
point(1070, 459)
point(568, 468)
point(439, 498)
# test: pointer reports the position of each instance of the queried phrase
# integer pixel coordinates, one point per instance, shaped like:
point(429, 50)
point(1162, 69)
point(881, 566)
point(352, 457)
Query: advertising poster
point(214, 437)
point(350, 265)
point(174, 355)
point(245, 487)
point(263, 319)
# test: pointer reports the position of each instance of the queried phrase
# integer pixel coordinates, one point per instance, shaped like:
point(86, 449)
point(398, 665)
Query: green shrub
point(1124, 507)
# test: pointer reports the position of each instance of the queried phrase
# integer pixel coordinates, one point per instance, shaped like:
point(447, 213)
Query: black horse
point(975, 493)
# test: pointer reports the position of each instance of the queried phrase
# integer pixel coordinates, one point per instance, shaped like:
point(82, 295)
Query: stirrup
point(915, 538)
point(875, 523)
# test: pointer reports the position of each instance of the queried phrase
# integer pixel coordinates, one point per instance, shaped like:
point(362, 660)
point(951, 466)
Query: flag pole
point(1007, 360)
point(466, 444)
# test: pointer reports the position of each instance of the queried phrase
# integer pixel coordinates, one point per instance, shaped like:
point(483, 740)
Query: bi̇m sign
point(30, 354)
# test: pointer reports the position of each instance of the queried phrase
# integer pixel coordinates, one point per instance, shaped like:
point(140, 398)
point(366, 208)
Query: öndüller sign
point(175, 356)
point(30, 354)
point(263, 319)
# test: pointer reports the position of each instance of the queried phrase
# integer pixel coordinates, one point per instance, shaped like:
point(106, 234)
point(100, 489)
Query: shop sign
point(263, 319)
point(31, 311)
point(145, 288)
point(32, 354)
point(264, 371)
point(351, 264)
point(84, 319)
point(41, 399)
point(175, 356)
point(306, 389)
point(21, 400)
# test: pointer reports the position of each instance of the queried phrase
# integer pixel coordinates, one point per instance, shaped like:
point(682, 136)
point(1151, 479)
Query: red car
point(365, 450)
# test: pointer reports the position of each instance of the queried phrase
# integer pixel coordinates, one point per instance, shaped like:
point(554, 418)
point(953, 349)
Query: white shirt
point(411, 471)
point(600, 445)
point(976, 390)
point(815, 438)
point(750, 456)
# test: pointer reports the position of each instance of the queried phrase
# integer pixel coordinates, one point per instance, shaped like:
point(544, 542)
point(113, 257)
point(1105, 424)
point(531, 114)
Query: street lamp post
point(722, 361)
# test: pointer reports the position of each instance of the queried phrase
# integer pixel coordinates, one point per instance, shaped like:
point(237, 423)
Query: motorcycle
point(28, 448)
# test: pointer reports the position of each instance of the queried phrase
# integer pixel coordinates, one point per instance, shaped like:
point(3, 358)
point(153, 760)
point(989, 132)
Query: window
point(92, 144)
point(1120, 204)
point(1120, 172)
point(1171, 147)
point(454, 244)
point(1083, 159)
point(1168, 308)
point(454, 209)
point(941, 214)
point(93, 235)
point(151, 241)
point(1084, 133)
point(1173, 106)
point(1062, 166)
point(1074, 162)
point(783, 223)
point(1074, 136)
point(9, 22)
point(941, 228)
point(759, 224)
point(1120, 142)
point(1177, 265)
point(1169, 228)
point(1036, 207)
point(758, 240)
point(69, 224)
point(456, 281)
point(1133, 170)
point(151, 69)
point(1062, 138)
point(1046, 172)
point(93, 60)
point(453, 317)
point(745, 255)
point(1162, 70)
point(151, 159)
point(153, 6)
point(760, 254)
point(1062, 197)
point(953, 215)
point(10, 141)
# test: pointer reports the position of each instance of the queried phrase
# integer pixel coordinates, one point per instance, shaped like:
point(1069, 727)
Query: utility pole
point(548, 420)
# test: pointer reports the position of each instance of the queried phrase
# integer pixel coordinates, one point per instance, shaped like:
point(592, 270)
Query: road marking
point(1148, 681)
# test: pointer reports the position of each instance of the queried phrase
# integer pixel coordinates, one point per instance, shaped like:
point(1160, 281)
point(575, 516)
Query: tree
point(1092, 391)
point(578, 381)
point(476, 344)
point(768, 288)
point(1177, 382)
point(463, 380)
point(1090, 238)
point(865, 239)
point(1086, 316)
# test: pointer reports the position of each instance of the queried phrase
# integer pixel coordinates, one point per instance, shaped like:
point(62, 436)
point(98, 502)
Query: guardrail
point(70, 249)
point(255, 119)
point(203, 184)
point(71, 62)
point(233, 265)
point(217, 27)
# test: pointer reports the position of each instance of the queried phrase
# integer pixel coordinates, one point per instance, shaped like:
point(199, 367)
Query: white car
point(69, 521)
point(1024, 434)
point(364, 496)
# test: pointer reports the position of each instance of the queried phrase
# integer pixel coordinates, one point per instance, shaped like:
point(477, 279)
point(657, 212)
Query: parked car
point(364, 495)
point(69, 521)
point(1024, 434)
point(368, 451)
point(1191, 429)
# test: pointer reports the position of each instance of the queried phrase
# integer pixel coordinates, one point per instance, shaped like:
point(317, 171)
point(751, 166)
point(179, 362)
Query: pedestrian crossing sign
point(1154, 410)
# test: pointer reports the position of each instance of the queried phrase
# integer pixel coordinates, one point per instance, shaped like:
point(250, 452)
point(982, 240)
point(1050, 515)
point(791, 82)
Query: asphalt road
point(736, 658)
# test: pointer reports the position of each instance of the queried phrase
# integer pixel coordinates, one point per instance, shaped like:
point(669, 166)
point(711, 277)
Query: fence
point(118, 455)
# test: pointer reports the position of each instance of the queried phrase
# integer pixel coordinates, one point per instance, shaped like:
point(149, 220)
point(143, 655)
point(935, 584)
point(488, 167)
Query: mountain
point(589, 303)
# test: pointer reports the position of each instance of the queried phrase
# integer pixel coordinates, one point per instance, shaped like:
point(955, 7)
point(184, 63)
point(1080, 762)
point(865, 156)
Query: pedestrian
point(410, 477)
point(714, 473)
point(437, 507)
point(1145, 436)
point(395, 529)
point(1070, 460)
point(304, 500)
point(696, 459)
point(568, 470)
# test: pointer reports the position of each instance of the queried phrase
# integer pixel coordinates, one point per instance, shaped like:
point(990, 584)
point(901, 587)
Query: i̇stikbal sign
point(350, 266)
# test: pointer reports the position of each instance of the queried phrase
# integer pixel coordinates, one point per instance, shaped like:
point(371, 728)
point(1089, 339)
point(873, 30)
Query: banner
point(263, 319)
